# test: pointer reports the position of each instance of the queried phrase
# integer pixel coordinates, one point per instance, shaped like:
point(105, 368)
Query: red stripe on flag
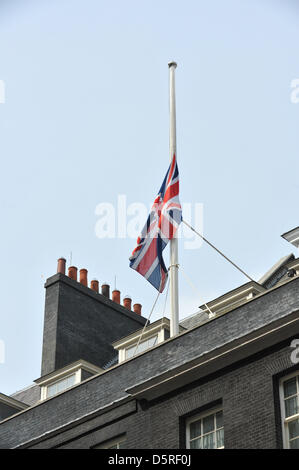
point(171, 192)
point(171, 169)
point(148, 258)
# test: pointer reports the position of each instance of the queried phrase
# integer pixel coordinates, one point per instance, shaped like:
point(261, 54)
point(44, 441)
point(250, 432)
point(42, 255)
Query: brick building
point(230, 378)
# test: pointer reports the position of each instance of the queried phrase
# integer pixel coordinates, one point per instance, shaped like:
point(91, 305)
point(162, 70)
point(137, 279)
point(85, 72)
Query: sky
point(85, 121)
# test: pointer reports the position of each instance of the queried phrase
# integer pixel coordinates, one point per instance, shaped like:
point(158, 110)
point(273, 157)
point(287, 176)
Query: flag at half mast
point(162, 223)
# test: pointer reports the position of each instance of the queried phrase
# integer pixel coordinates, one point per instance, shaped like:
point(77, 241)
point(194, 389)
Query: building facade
point(229, 379)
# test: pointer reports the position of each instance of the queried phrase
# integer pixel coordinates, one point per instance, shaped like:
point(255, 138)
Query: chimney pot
point(137, 308)
point(127, 302)
point(73, 272)
point(94, 285)
point(83, 277)
point(106, 290)
point(61, 265)
point(116, 296)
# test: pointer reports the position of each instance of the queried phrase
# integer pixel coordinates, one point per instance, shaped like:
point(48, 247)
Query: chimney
point(94, 285)
point(106, 290)
point(73, 272)
point(83, 277)
point(116, 296)
point(127, 302)
point(61, 265)
point(137, 308)
point(79, 326)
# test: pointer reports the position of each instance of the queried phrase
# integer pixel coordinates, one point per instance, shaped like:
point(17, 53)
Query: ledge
point(209, 362)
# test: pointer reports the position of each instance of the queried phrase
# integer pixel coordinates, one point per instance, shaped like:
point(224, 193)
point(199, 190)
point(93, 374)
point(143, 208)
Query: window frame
point(77, 368)
point(200, 416)
point(77, 379)
point(286, 420)
point(111, 442)
point(66, 375)
point(134, 345)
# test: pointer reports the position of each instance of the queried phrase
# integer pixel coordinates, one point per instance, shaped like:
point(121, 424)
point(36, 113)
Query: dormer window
point(61, 385)
point(142, 346)
point(61, 380)
point(153, 335)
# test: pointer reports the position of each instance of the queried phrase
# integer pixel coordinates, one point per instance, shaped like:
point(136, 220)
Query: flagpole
point(173, 269)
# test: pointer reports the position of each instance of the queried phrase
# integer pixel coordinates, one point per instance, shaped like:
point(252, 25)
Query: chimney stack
point(83, 277)
point(127, 302)
point(94, 285)
point(73, 272)
point(61, 265)
point(116, 296)
point(73, 320)
point(137, 308)
point(106, 290)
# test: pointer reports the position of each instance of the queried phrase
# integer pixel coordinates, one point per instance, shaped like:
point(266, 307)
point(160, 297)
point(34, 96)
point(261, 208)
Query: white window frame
point(77, 379)
point(44, 388)
point(285, 421)
point(211, 411)
point(76, 368)
point(111, 443)
point(160, 327)
point(133, 346)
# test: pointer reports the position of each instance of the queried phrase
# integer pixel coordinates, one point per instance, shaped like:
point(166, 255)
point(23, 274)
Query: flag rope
point(218, 251)
point(145, 325)
point(163, 316)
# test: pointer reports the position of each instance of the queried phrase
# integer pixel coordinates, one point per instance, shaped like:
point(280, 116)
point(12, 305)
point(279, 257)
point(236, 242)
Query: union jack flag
point(162, 223)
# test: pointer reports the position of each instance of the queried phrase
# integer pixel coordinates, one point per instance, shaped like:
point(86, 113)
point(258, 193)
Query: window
point(289, 394)
point(62, 379)
point(142, 346)
point(117, 443)
point(150, 337)
point(205, 431)
point(61, 385)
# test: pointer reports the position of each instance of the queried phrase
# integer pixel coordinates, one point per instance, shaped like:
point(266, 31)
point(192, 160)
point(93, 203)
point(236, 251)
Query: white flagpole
point(173, 270)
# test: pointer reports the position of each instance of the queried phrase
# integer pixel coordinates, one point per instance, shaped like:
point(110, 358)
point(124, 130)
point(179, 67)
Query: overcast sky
point(86, 120)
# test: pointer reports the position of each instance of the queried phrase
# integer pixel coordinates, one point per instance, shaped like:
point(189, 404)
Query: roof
point(7, 400)
point(241, 294)
point(277, 266)
point(80, 364)
point(153, 327)
point(193, 320)
point(29, 395)
point(292, 236)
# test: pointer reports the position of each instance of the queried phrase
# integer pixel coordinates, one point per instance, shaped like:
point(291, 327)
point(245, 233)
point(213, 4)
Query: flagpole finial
point(172, 64)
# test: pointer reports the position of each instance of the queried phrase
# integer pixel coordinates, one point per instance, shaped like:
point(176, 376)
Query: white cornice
point(151, 329)
point(292, 237)
point(228, 300)
point(19, 405)
point(69, 369)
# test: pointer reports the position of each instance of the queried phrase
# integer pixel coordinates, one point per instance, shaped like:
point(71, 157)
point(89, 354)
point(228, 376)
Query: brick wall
point(247, 396)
